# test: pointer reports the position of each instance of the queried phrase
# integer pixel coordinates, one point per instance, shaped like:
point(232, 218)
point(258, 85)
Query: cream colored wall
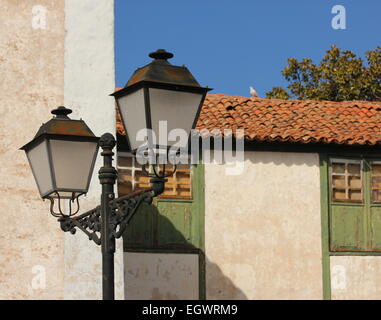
point(89, 79)
point(262, 228)
point(31, 84)
point(355, 277)
point(161, 276)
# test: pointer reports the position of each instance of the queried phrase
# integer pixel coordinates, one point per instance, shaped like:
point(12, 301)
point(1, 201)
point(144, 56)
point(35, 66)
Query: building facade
point(301, 221)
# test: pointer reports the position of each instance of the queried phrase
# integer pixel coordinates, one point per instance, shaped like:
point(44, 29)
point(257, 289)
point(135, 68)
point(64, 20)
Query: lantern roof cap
point(160, 70)
point(62, 125)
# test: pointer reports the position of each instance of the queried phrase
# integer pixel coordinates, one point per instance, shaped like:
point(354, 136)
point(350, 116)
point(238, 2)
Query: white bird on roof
point(253, 93)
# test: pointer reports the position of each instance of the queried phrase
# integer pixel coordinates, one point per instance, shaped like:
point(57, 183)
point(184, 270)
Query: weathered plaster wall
point(161, 276)
point(262, 228)
point(89, 79)
point(355, 277)
point(31, 84)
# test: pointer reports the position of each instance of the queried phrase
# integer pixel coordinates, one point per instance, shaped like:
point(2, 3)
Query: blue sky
point(231, 45)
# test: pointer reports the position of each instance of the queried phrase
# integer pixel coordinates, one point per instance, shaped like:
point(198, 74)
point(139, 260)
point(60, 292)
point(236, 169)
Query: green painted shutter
point(347, 227)
point(174, 224)
point(374, 171)
point(170, 223)
point(375, 228)
point(140, 231)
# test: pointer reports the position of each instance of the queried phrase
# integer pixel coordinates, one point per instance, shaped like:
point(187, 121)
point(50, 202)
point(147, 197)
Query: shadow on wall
point(226, 289)
point(164, 278)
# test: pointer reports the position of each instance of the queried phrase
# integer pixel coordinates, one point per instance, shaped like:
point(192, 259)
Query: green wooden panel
point(375, 228)
point(347, 228)
point(140, 231)
point(174, 224)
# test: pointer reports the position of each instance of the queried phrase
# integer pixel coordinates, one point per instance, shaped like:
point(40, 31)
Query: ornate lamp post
point(63, 153)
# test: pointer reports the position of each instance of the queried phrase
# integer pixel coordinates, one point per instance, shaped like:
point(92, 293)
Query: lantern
point(159, 92)
point(62, 156)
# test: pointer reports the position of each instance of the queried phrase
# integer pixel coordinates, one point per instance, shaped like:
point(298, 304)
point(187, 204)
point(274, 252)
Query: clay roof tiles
point(303, 121)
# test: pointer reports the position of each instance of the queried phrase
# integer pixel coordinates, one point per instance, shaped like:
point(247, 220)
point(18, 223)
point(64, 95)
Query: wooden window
point(346, 180)
point(355, 204)
point(131, 178)
point(179, 185)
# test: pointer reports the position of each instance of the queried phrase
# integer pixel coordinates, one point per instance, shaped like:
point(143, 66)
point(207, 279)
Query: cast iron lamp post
point(63, 153)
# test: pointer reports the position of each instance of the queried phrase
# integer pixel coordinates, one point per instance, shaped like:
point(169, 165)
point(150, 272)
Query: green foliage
point(341, 75)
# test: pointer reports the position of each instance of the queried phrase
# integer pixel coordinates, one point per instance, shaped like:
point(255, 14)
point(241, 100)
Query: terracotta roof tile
point(347, 122)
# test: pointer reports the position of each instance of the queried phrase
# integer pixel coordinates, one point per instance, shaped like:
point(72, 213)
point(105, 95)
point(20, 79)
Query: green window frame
point(354, 204)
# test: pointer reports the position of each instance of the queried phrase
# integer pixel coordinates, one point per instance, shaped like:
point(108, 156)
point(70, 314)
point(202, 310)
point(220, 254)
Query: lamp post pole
point(107, 177)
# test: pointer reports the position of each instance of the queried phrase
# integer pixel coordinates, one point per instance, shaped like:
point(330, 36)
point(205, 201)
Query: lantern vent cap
point(161, 54)
point(61, 112)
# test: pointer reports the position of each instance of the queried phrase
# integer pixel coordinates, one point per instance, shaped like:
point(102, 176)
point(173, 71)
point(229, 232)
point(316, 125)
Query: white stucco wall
point(161, 276)
point(31, 85)
point(263, 228)
point(89, 79)
point(355, 277)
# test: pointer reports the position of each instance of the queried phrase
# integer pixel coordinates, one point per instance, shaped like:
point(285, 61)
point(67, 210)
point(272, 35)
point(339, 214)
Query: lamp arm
point(118, 212)
point(124, 208)
point(89, 222)
point(122, 211)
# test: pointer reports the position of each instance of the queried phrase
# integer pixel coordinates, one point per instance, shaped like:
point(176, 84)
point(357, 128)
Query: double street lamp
point(62, 154)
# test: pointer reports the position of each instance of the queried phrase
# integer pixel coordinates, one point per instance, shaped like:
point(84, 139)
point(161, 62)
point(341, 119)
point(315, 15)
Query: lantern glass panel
point(133, 112)
point(177, 108)
point(73, 164)
point(39, 161)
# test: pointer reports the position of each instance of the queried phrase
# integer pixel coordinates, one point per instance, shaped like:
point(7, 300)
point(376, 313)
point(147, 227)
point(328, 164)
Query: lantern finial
point(61, 112)
point(161, 54)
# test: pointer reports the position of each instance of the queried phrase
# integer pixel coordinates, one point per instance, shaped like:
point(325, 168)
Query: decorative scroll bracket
point(122, 211)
